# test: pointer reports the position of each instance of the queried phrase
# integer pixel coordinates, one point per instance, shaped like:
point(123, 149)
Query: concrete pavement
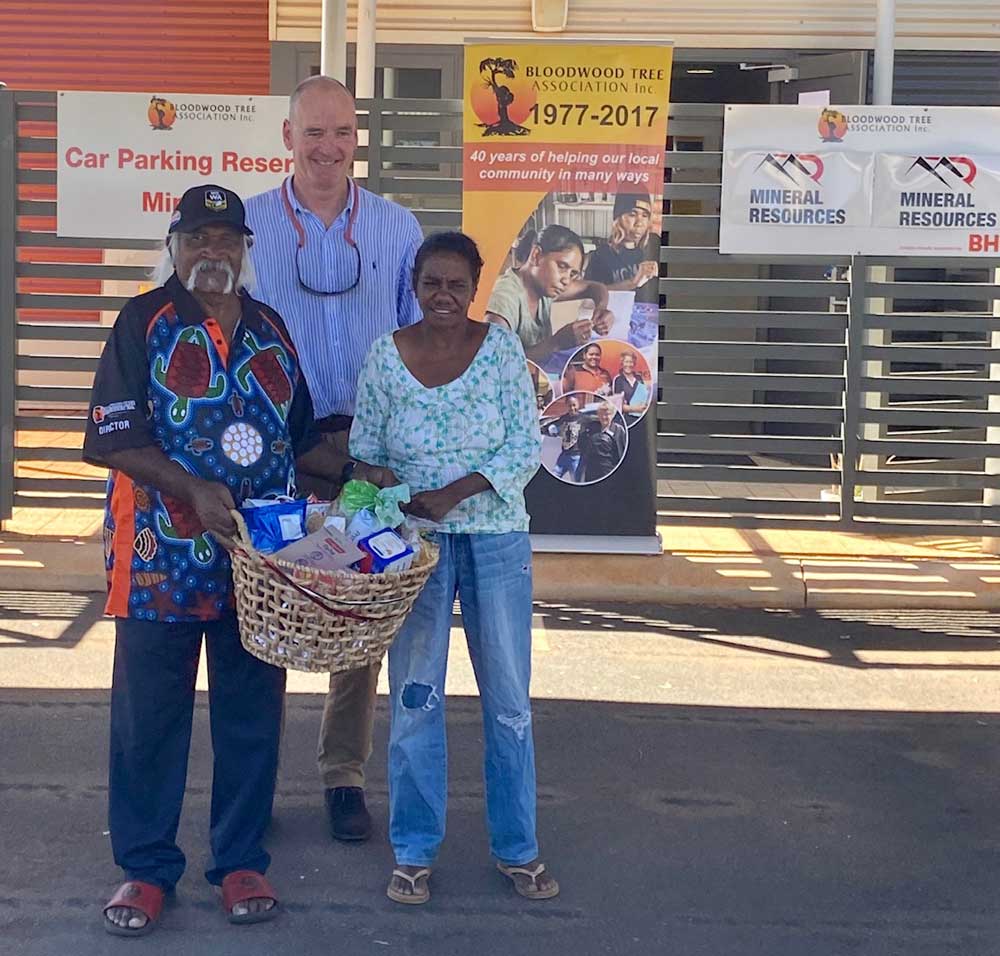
point(710, 566)
point(711, 783)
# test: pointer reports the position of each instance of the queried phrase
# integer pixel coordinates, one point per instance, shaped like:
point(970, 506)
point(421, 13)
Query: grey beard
point(205, 266)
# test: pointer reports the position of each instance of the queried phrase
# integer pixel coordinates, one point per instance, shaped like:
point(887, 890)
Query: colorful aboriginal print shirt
point(237, 413)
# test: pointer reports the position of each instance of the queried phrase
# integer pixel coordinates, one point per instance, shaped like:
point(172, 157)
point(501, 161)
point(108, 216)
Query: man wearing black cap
point(198, 403)
point(629, 259)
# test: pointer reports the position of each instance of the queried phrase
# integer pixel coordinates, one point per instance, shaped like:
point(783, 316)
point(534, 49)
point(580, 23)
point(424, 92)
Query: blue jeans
point(491, 573)
point(152, 704)
point(568, 461)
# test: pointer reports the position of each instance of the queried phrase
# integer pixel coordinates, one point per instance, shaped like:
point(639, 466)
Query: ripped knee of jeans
point(417, 696)
point(519, 723)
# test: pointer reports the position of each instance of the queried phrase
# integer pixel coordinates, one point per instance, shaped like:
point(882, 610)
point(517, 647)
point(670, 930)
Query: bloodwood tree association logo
point(161, 113)
point(503, 100)
point(832, 126)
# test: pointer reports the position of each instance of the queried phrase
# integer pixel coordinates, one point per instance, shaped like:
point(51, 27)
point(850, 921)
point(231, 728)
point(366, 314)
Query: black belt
point(334, 423)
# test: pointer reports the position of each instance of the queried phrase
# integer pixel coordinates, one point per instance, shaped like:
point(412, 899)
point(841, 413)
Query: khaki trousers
point(345, 735)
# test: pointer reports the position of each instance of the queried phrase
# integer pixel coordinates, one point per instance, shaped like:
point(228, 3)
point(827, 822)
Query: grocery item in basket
point(326, 550)
point(337, 522)
point(358, 495)
point(364, 523)
point(273, 524)
point(384, 551)
point(316, 512)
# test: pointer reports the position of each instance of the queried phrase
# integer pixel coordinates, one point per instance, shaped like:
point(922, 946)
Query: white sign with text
point(861, 180)
point(125, 159)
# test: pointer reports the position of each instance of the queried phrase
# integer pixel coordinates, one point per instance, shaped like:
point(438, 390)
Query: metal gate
point(809, 391)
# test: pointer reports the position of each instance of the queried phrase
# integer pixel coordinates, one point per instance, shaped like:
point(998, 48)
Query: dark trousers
point(152, 705)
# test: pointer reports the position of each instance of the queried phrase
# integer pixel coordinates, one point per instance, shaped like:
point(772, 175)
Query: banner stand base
point(596, 544)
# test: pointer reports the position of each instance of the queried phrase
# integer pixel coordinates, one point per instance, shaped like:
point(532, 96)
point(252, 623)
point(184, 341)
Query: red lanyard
point(348, 232)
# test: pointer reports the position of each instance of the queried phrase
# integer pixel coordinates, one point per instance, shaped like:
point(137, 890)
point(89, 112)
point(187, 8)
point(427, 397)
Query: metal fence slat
point(51, 332)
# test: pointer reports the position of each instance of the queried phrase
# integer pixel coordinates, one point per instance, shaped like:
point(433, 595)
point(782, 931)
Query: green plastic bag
point(357, 495)
point(387, 503)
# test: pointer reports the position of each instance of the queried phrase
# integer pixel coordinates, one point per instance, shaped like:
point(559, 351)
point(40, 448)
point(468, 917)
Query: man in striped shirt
point(335, 261)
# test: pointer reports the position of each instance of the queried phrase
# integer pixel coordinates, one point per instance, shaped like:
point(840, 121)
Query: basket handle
point(243, 541)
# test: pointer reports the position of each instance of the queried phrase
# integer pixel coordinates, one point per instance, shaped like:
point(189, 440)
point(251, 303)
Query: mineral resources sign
point(563, 191)
point(866, 180)
point(125, 159)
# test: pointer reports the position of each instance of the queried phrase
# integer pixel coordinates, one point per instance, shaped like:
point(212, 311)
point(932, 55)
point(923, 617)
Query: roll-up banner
point(861, 180)
point(563, 191)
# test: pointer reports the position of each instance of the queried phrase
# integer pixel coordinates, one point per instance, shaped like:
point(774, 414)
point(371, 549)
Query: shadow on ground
point(894, 639)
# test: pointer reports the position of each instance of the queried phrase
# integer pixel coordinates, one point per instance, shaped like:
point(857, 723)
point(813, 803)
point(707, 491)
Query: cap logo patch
point(215, 200)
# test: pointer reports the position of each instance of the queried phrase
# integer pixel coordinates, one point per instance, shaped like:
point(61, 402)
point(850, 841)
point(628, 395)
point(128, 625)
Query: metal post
point(364, 79)
point(364, 73)
point(853, 373)
point(8, 315)
point(333, 40)
point(374, 170)
point(885, 51)
point(991, 494)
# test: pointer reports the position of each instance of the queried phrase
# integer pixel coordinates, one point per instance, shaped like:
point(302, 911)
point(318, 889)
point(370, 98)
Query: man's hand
point(380, 477)
point(212, 503)
point(647, 270)
point(432, 505)
point(603, 318)
point(573, 335)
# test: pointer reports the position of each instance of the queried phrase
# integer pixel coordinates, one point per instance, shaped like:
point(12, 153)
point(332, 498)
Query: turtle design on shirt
point(178, 522)
point(188, 374)
point(267, 365)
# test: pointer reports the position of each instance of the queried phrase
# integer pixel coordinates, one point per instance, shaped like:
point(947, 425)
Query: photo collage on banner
point(592, 364)
point(563, 190)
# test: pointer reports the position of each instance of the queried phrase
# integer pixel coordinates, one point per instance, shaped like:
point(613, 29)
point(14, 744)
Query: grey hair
point(326, 82)
point(164, 268)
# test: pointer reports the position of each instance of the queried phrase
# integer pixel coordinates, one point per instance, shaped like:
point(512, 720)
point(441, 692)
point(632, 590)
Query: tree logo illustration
point(503, 101)
point(832, 126)
point(161, 113)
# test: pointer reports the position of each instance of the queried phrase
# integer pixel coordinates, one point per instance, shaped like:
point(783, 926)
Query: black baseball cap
point(626, 202)
point(209, 205)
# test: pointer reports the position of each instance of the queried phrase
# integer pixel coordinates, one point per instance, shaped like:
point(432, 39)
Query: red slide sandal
point(243, 885)
point(146, 898)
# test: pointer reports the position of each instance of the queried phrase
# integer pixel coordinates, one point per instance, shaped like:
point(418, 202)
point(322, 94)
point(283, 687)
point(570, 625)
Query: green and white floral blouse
point(485, 421)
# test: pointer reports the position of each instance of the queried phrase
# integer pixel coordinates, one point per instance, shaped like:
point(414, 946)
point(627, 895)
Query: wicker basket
point(311, 620)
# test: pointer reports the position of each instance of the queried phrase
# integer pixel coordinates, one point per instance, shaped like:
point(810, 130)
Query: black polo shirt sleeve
point(117, 418)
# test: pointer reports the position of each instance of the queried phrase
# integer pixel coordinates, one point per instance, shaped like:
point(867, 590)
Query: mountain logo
point(949, 170)
point(800, 169)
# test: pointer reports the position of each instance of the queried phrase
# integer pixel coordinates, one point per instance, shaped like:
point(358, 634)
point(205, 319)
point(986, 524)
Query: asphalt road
point(714, 782)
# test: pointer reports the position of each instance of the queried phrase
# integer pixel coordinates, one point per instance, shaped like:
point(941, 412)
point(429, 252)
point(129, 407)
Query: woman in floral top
point(448, 405)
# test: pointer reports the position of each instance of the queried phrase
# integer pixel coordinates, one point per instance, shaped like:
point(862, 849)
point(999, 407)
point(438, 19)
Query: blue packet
point(273, 524)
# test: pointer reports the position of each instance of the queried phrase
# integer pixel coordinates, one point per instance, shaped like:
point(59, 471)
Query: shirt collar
point(189, 309)
point(352, 191)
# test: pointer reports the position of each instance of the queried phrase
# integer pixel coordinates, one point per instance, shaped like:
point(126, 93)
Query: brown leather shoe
point(348, 815)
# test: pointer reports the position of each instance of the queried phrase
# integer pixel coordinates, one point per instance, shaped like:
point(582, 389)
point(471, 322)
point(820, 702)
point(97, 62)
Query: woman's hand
point(646, 271)
point(573, 335)
point(380, 477)
point(602, 321)
point(431, 505)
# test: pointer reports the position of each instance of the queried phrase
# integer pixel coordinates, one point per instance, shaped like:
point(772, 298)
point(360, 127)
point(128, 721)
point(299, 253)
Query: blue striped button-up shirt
point(333, 333)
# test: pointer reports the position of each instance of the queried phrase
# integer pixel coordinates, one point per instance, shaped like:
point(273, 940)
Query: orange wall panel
point(183, 46)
